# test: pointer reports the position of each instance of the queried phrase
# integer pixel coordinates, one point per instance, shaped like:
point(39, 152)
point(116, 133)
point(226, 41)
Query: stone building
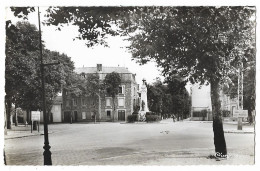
point(86, 108)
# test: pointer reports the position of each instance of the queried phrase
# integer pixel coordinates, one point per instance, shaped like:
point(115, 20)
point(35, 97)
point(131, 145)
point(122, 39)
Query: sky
point(115, 55)
point(81, 55)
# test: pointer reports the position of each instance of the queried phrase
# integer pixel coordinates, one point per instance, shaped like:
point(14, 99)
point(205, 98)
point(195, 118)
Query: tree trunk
point(219, 138)
point(114, 107)
point(15, 116)
point(8, 114)
point(27, 116)
point(99, 107)
point(250, 117)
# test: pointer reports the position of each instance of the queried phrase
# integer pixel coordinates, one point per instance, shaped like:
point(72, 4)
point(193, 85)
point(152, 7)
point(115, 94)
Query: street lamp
point(46, 147)
point(47, 152)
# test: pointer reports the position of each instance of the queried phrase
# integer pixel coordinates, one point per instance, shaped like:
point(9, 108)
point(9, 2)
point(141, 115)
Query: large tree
point(22, 74)
point(170, 98)
point(21, 41)
point(155, 96)
point(180, 96)
point(202, 44)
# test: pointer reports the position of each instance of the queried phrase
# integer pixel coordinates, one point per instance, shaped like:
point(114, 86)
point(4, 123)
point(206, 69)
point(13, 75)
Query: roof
point(105, 69)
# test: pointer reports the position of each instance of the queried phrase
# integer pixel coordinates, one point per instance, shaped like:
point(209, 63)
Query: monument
point(143, 102)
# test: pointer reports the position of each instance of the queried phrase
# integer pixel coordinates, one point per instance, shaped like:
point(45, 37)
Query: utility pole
point(240, 99)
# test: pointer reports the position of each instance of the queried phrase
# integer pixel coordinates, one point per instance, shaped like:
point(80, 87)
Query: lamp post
point(46, 147)
point(47, 152)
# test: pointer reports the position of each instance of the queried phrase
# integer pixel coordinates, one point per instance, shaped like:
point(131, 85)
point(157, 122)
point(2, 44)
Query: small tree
point(111, 83)
point(93, 89)
point(136, 108)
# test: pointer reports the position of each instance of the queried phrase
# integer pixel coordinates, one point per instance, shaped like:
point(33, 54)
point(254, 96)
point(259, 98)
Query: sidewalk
point(247, 128)
point(21, 131)
point(243, 131)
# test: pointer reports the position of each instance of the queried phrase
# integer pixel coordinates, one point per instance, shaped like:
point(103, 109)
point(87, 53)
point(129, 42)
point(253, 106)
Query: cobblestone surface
point(165, 143)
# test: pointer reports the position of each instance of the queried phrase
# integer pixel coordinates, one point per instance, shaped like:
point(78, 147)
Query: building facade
point(55, 115)
point(228, 104)
point(201, 101)
point(101, 108)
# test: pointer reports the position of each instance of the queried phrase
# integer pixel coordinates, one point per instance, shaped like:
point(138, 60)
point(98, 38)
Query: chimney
point(99, 67)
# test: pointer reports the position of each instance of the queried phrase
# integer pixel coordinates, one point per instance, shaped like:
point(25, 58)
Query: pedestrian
point(173, 118)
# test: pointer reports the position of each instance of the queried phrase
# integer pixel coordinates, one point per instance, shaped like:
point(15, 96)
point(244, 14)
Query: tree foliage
point(199, 43)
point(168, 99)
point(93, 85)
point(22, 12)
point(94, 23)
point(22, 74)
point(112, 82)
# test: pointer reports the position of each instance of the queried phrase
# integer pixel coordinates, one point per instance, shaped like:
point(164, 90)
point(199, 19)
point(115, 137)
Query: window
point(121, 102)
point(93, 114)
point(83, 102)
point(108, 102)
point(84, 115)
point(67, 103)
point(74, 101)
point(108, 90)
point(108, 113)
point(121, 89)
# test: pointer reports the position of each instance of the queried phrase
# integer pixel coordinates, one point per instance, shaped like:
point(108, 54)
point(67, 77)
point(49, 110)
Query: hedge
point(202, 113)
point(226, 113)
point(149, 113)
point(132, 118)
point(152, 118)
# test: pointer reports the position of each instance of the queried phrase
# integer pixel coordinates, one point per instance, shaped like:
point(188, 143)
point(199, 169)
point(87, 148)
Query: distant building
point(228, 104)
point(83, 109)
point(55, 116)
point(201, 101)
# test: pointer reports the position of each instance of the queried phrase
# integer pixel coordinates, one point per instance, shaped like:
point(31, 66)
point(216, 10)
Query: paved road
point(163, 143)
